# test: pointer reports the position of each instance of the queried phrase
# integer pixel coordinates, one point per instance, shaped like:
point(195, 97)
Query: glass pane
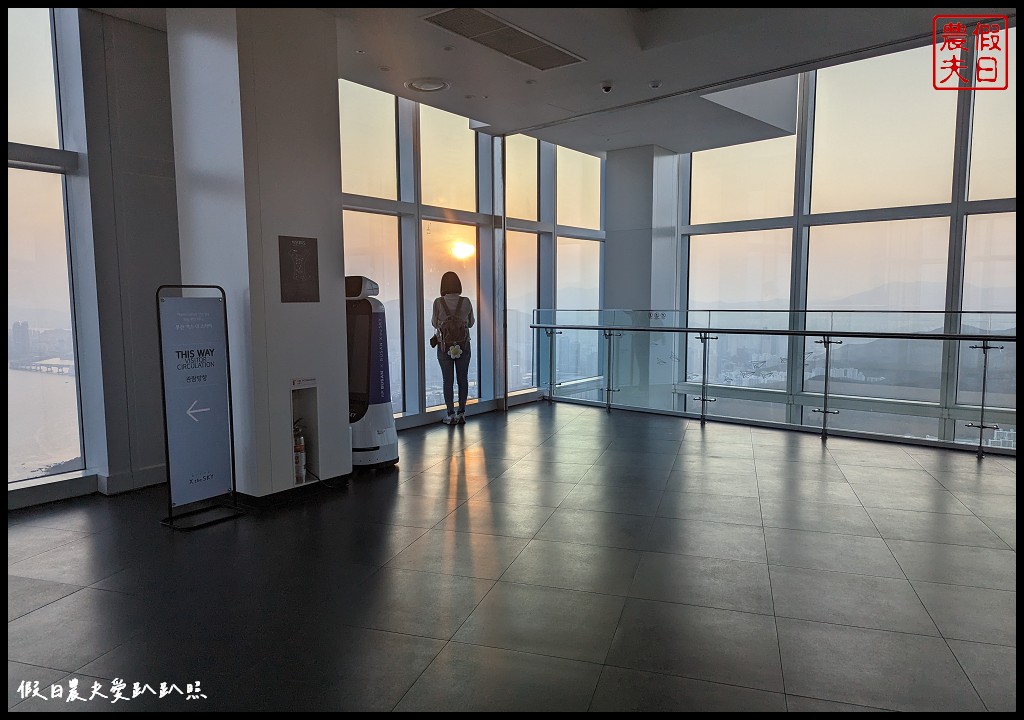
point(577, 287)
point(908, 426)
point(579, 189)
point(521, 192)
point(1003, 437)
point(369, 155)
point(890, 266)
point(448, 247)
point(743, 182)
point(994, 138)
point(990, 284)
point(447, 160)
point(31, 87)
point(740, 271)
point(43, 431)
point(521, 300)
point(371, 249)
point(738, 409)
point(883, 136)
point(990, 264)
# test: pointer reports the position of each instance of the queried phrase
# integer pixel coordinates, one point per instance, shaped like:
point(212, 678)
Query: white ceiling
point(710, 67)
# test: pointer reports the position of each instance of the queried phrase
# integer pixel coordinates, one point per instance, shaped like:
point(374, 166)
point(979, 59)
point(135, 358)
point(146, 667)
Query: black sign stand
point(219, 510)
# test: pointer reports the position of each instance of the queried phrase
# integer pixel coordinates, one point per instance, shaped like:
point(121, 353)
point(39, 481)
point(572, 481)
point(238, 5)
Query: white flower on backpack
point(455, 352)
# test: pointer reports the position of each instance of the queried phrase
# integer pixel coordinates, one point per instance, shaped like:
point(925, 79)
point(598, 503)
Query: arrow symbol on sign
point(191, 412)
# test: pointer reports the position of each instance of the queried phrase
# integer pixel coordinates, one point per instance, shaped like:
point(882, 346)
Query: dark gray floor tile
point(443, 486)
point(460, 465)
point(973, 483)
point(877, 668)
point(497, 519)
point(703, 465)
point(698, 642)
point(881, 455)
point(975, 614)
point(563, 454)
point(805, 704)
point(420, 511)
point(25, 540)
point(896, 498)
point(830, 551)
point(821, 517)
point(711, 582)
point(906, 479)
point(365, 670)
point(643, 445)
point(698, 448)
point(638, 478)
point(590, 527)
point(997, 506)
point(81, 562)
point(589, 568)
point(860, 600)
point(1005, 529)
point(545, 621)
point(27, 594)
point(934, 527)
point(820, 471)
point(613, 498)
point(21, 679)
point(713, 508)
point(622, 690)
point(561, 472)
point(484, 679)
point(812, 453)
point(88, 514)
point(72, 631)
point(594, 444)
point(956, 461)
point(455, 553)
point(508, 451)
point(708, 539)
point(993, 672)
point(524, 491)
point(712, 484)
point(957, 564)
point(415, 603)
point(795, 490)
point(633, 459)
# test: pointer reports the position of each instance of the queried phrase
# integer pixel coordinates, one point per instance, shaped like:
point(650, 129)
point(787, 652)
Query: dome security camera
point(606, 87)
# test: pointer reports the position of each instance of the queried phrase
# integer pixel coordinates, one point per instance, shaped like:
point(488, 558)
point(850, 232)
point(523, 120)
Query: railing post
point(825, 412)
point(982, 427)
point(704, 399)
point(551, 332)
point(608, 334)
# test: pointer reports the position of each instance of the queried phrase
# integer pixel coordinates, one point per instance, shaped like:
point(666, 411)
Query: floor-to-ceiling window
point(43, 415)
point(894, 212)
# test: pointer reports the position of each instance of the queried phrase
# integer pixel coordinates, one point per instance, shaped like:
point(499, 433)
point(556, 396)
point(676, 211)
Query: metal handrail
point(795, 333)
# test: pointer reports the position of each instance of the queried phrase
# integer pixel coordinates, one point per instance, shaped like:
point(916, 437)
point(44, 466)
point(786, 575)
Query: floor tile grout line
point(937, 629)
point(771, 589)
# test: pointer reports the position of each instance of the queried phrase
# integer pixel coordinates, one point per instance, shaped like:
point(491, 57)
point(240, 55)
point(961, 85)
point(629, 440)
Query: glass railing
point(947, 378)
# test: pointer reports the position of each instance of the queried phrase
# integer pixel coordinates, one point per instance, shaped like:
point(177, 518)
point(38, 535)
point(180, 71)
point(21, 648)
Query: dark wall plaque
point(300, 273)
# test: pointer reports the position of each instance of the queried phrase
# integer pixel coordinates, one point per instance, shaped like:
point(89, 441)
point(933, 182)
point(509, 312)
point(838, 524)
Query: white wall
point(122, 205)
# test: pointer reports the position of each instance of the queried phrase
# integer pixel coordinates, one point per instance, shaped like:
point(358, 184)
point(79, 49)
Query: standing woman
point(452, 317)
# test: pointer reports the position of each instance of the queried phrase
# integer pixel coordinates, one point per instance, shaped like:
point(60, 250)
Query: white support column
point(255, 111)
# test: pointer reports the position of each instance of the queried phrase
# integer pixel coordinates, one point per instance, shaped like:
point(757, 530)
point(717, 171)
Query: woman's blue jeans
point(452, 371)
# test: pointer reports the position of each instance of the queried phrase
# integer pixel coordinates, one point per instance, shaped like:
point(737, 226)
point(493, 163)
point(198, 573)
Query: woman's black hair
point(450, 283)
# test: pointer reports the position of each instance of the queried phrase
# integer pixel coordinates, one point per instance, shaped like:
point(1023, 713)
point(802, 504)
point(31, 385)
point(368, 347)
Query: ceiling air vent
point(510, 41)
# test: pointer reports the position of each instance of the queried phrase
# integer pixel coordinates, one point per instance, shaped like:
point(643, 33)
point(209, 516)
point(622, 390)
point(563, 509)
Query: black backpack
point(454, 330)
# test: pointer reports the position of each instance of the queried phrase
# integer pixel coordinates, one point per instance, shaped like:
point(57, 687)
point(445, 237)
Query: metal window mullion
point(799, 264)
point(411, 257)
point(956, 250)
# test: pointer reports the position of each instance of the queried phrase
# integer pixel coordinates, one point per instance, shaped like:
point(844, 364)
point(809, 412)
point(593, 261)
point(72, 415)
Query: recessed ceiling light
point(428, 84)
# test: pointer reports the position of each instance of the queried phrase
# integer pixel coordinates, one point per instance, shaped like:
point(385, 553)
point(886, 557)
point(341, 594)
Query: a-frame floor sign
point(196, 380)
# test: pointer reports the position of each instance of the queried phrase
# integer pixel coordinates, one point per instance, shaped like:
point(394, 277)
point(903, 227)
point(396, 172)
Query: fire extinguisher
point(299, 452)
